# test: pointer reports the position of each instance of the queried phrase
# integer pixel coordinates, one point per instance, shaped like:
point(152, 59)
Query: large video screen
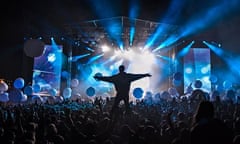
point(47, 71)
point(197, 66)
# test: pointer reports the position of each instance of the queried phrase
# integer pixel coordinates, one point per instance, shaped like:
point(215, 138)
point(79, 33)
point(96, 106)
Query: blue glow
point(205, 70)
point(75, 58)
point(215, 49)
point(51, 57)
point(133, 14)
point(112, 26)
point(197, 66)
point(164, 58)
point(188, 70)
point(57, 59)
point(204, 19)
point(172, 15)
point(110, 59)
point(232, 61)
point(185, 50)
point(121, 46)
point(151, 40)
point(132, 32)
point(166, 43)
point(90, 49)
point(94, 58)
point(47, 68)
point(209, 17)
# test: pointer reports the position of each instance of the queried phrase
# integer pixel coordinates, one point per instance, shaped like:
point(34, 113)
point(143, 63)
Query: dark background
point(41, 17)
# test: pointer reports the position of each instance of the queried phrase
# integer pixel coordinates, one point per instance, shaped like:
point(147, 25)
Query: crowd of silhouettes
point(196, 118)
point(176, 121)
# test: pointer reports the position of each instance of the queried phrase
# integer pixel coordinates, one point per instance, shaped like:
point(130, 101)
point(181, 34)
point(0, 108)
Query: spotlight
point(105, 48)
point(188, 70)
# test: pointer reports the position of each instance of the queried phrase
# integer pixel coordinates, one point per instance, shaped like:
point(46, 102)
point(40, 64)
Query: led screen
point(47, 71)
point(197, 66)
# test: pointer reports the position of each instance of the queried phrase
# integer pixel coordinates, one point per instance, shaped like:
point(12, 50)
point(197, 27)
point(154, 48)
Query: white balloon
point(3, 86)
point(74, 82)
point(76, 96)
point(24, 98)
point(67, 92)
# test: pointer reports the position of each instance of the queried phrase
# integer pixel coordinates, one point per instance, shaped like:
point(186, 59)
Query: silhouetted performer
point(122, 82)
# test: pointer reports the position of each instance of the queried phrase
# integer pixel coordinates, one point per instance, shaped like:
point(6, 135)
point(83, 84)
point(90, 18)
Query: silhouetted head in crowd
point(198, 95)
point(204, 111)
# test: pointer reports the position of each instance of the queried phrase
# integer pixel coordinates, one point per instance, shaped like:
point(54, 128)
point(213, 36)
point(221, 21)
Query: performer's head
point(121, 68)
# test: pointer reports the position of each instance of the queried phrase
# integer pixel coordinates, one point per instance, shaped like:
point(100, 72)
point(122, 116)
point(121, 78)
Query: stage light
point(105, 48)
point(188, 70)
point(51, 57)
point(205, 79)
point(205, 69)
point(75, 58)
point(185, 50)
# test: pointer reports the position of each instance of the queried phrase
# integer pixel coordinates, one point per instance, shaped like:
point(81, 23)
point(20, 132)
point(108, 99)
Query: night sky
point(42, 16)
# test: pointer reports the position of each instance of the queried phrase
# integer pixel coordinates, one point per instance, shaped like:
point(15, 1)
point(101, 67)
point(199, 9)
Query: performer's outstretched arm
point(134, 77)
point(104, 78)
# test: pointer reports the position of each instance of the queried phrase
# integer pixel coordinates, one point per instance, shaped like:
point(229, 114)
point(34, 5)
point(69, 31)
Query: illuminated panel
point(197, 66)
point(47, 69)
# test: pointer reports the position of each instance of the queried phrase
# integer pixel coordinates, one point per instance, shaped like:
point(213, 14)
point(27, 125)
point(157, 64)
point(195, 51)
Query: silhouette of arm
point(104, 78)
point(134, 77)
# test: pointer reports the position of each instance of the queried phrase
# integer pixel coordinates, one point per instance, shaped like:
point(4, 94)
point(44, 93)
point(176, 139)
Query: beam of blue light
point(171, 15)
point(110, 59)
point(215, 49)
point(132, 32)
point(133, 14)
point(90, 49)
point(205, 19)
point(209, 17)
point(166, 43)
point(95, 58)
point(232, 61)
point(75, 58)
point(164, 58)
point(113, 26)
point(121, 46)
point(185, 50)
point(156, 34)
point(57, 53)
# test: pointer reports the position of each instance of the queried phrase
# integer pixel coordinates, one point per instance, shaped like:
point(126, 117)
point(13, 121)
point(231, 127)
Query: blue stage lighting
point(95, 58)
point(188, 70)
point(185, 50)
point(51, 57)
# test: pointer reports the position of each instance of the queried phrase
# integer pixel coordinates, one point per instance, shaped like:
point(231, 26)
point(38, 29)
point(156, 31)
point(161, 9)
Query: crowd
point(186, 120)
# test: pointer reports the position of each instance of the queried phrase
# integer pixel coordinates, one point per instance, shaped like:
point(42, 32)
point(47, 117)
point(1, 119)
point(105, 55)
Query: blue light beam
point(91, 60)
point(185, 50)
